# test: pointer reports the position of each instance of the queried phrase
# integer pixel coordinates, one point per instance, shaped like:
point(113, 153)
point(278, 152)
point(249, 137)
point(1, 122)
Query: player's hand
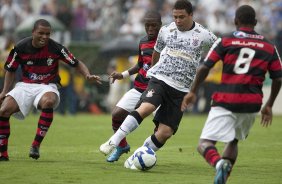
point(266, 116)
point(115, 75)
point(188, 100)
point(94, 78)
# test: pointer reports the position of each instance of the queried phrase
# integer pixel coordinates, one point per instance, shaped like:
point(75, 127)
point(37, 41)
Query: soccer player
point(246, 56)
point(177, 54)
point(38, 56)
point(152, 23)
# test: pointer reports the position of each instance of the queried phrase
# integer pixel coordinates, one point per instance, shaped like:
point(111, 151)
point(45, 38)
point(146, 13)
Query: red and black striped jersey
point(247, 56)
point(39, 65)
point(146, 48)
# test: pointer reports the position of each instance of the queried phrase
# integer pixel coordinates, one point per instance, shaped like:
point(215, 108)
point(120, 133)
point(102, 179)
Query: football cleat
point(107, 147)
point(222, 172)
point(114, 156)
point(34, 152)
point(128, 164)
point(2, 158)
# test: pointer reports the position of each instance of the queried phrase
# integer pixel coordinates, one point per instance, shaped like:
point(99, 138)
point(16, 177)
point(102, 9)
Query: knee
point(47, 103)
point(4, 112)
point(119, 114)
point(163, 134)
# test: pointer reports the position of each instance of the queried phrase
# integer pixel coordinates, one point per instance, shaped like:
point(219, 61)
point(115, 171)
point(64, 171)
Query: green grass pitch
point(70, 154)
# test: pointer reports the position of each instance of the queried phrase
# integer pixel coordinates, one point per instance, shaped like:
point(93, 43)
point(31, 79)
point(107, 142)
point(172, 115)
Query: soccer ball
point(144, 158)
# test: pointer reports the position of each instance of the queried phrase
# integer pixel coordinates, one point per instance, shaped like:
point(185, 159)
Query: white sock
point(149, 143)
point(128, 125)
point(218, 164)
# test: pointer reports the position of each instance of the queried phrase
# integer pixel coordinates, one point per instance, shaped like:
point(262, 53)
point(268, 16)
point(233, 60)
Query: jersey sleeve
point(210, 38)
point(68, 57)
point(160, 43)
point(140, 58)
point(214, 54)
point(275, 68)
point(13, 61)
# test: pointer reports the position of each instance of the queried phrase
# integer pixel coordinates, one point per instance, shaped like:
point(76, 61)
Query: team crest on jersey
point(146, 67)
point(150, 93)
point(29, 62)
point(195, 41)
point(49, 61)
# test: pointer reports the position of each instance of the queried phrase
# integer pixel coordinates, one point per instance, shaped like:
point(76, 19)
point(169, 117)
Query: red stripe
point(140, 85)
point(241, 79)
point(214, 56)
point(47, 115)
point(275, 65)
point(5, 131)
point(147, 45)
point(42, 122)
point(245, 98)
point(4, 123)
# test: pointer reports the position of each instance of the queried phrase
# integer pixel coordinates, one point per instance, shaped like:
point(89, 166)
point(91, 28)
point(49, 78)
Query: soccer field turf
point(70, 154)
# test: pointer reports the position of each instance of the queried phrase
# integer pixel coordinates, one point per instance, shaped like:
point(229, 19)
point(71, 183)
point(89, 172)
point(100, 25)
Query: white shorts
point(27, 95)
point(129, 100)
point(224, 126)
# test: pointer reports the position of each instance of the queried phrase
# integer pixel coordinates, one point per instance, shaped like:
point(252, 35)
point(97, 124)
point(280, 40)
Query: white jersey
point(180, 54)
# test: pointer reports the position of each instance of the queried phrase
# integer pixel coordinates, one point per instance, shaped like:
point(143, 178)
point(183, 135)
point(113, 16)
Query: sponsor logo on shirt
point(240, 34)
point(34, 76)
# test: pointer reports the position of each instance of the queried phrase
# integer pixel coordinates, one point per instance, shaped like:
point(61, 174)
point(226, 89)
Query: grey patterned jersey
point(180, 54)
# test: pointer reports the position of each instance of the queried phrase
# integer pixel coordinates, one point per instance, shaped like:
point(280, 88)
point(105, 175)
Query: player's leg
point(46, 101)
point(220, 126)
point(150, 100)
point(125, 105)
point(131, 122)
point(8, 107)
point(118, 116)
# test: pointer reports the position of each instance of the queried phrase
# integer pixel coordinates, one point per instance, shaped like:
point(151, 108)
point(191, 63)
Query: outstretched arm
point(82, 68)
point(266, 111)
point(190, 97)
point(8, 83)
point(118, 76)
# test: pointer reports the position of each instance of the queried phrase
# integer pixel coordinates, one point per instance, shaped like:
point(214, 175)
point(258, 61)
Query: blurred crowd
point(91, 20)
point(102, 20)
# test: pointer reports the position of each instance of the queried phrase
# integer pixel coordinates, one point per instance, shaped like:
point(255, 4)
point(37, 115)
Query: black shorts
point(169, 99)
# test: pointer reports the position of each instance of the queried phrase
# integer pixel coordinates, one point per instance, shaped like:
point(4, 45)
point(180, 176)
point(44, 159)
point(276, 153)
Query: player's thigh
point(244, 124)
point(44, 91)
point(8, 106)
point(129, 100)
point(220, 125)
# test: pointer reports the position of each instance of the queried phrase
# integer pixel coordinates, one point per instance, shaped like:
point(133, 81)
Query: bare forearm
point(155, 58)
point(201, 75)
point(82, 68)
point(275, 88)
point(8, 81)
point(133, 70)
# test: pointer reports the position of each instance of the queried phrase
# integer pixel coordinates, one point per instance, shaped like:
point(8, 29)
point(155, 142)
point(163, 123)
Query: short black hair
point(183, 4)
point(245, 14)
point(41, 22)
point(152, 14)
